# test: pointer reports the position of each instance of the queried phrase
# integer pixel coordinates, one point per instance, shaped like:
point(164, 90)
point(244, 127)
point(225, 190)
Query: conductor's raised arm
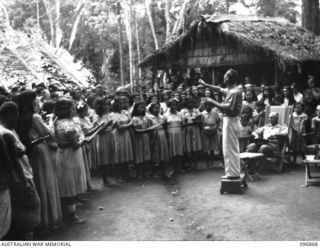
point(213, 87)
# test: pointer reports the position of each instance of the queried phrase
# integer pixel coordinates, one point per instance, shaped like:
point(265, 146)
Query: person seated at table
point(269, 133)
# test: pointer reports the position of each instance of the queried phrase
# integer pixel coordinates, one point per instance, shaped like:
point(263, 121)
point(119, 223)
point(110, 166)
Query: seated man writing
point(269, 134)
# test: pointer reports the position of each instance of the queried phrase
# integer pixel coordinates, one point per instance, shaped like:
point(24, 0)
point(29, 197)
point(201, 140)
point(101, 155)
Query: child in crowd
point(183, 96)
point(210, 124)
point(165, 100)
point(249, 99)
point(123, 150)
point(152, 99)
point(315, 126)
point(246, 129)
point(135, 97)
point(267, 96)
point(259, 114)
point(142, 150)
point(277, 100)
point(104, 140)
point(288, 98)
point(242, 90)
point(86, 125)
point(191, 133)
point(297, 129)
point(159, 142)
point(173, 122)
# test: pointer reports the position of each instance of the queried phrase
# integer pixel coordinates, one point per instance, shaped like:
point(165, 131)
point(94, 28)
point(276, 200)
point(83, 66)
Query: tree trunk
point(48, 10)
point(147, 3)
point(179, 24)
point(138, 47)
point(310, 15)
point(79, 10)
point(57, 24)
point(227, 6)
point(129, 37)
point(4, 9)
point(120, 39)
point(38, 18)
point(168, 21)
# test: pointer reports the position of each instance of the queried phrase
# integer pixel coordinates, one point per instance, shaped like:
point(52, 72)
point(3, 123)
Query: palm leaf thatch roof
point(18, 59)
point(275, 39)
point(31, 60)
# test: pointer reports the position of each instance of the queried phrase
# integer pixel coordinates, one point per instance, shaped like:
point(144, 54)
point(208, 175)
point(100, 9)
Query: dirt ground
point(277, 207)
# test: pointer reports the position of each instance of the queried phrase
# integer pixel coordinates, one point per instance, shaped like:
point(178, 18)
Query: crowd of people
point(51, 141)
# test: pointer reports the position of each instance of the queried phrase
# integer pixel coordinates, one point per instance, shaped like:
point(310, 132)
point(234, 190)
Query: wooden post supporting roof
point(276, 74)
point(213, 75)
point(154, 74)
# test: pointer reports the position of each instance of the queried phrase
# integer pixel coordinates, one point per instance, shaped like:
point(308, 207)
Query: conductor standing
point(231, 108)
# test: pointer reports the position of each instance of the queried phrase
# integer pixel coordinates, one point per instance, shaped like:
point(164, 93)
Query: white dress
point(123, 152)
point(210, 130)
point(191, 132)
point(70, 164)
point(174, 130)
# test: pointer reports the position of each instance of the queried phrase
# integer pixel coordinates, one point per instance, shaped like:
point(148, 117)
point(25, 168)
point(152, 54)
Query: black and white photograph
point(158, 120)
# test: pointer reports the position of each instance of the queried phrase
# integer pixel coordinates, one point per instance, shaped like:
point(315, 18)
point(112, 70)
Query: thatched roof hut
point(240, 40)
point(31, 60)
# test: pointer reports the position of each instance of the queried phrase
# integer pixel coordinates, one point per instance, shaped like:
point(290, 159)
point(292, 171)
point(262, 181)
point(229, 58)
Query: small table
point(250, 156)
point(309, 179)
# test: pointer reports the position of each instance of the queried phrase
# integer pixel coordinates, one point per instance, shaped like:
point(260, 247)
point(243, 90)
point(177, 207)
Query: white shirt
point(164, 107)
point(285, 102)
point(268, 130)
point(298, 97)
point(260, 96)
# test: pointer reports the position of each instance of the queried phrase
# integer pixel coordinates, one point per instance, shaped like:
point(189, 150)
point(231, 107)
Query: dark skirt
point(297, 143)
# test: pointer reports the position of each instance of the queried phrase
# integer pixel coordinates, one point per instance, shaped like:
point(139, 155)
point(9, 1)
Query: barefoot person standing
point(231, 108)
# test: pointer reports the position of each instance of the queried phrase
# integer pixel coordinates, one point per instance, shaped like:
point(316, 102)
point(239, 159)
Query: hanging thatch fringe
point(276, 39)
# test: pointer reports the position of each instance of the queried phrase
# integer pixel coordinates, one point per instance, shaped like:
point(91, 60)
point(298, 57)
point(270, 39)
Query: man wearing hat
point(231, 108)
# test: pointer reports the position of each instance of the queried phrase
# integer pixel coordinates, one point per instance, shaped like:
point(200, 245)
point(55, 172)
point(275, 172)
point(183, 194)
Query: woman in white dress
point(70, 164)
point(173, 122)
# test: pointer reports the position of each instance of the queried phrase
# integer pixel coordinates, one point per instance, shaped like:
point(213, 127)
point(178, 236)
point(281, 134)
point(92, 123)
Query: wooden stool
point(233, 186)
